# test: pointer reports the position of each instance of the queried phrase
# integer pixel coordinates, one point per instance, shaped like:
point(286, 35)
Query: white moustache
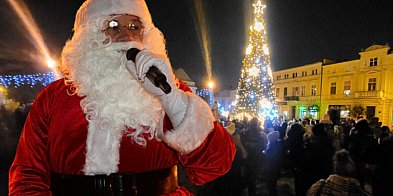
point(124, 46)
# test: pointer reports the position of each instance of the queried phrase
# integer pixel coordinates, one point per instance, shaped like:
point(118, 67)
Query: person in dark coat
point(360, 137)
point(254, 140)
point(385, 132)
point(380, 166)
point(342, 181)
point(273, 161)
point(283, 129)
point(320, 152)
point(232, 183)
point(20, 117)
point(375, 126)
point(296, 156)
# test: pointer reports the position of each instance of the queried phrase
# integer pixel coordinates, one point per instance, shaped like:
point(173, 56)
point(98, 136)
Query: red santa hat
point(94, 9)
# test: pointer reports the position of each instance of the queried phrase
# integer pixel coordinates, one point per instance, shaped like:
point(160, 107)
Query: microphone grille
point(131, 54)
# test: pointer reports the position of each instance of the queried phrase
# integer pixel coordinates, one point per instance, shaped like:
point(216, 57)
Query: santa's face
point(124, 28)
point(95, 63)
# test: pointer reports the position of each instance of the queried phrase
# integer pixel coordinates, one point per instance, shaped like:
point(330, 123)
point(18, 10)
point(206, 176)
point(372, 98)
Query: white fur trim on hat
point(94, 9)
point(192, 132)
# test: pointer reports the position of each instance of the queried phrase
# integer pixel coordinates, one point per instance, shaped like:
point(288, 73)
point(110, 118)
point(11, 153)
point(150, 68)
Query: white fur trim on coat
point(102, 156)
point(193, 130)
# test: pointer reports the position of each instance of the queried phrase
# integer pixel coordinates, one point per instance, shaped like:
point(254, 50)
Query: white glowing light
point(259, 26)
point(210, 84)
point(225, 114)
point(265, 49)
point(269, 72)
point(259, 7)
point(249, 49)
point(253, 71)
point(264, 103)
point(51, 63)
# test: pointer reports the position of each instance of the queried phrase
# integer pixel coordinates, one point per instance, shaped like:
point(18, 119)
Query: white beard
point(114, 101)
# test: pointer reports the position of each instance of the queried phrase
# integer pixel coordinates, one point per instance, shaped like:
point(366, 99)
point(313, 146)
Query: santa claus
point(105, 129)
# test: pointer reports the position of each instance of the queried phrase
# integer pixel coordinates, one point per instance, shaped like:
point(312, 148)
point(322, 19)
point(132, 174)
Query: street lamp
point(210, 84)
point(51, 63)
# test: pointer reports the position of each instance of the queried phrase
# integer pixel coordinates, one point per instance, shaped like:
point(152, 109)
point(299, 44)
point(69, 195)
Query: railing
point(310, 98)
point(291, 98)
point(299, 98)
point(338, 96)
point(369, 94)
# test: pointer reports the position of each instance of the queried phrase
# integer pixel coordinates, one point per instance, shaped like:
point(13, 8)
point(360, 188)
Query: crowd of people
point(323, 158)
point(11, 124)
point(351, 158)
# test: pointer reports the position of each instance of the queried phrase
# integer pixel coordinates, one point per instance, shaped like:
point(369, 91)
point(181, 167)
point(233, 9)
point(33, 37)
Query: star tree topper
point(259, 7)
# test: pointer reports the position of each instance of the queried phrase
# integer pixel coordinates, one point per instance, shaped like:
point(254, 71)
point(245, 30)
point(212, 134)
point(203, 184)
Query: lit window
point(295, 91)
point(313, 89)
point(372, 83)
point(373, 62)
point(277, 92)
point(333, 88)
point(303, 90)
point(347, 87)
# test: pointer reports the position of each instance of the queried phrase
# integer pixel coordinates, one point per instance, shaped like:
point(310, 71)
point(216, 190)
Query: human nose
point(124, 35)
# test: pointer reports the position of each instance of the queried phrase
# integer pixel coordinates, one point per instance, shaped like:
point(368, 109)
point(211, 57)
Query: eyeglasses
point(114, 27)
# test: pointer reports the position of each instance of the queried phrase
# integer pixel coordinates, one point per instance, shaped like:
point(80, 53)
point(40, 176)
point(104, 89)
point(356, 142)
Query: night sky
point(300, 32)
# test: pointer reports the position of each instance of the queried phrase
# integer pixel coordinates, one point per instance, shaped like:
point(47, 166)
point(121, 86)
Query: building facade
point(298, 91)
point(335, 88)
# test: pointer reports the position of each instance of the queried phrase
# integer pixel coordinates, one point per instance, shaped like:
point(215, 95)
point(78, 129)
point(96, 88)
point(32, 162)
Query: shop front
point(308, 112)
point(338, 112)
point(313, 111)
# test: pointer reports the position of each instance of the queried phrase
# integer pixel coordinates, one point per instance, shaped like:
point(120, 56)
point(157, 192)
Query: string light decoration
point(206, 94)
point(32, 79)
point(255, 89)
point(44, 79)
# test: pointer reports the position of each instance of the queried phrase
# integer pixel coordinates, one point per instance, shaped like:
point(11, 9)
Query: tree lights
point(255, 96)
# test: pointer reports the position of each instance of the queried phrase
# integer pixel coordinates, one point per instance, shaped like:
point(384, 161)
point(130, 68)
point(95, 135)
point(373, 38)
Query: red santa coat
point(54, 138)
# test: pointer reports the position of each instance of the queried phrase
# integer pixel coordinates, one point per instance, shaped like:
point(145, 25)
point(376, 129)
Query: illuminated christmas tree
point(255, 96)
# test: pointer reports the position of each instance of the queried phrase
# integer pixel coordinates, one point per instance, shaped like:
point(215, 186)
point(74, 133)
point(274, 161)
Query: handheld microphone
point(153, 74)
